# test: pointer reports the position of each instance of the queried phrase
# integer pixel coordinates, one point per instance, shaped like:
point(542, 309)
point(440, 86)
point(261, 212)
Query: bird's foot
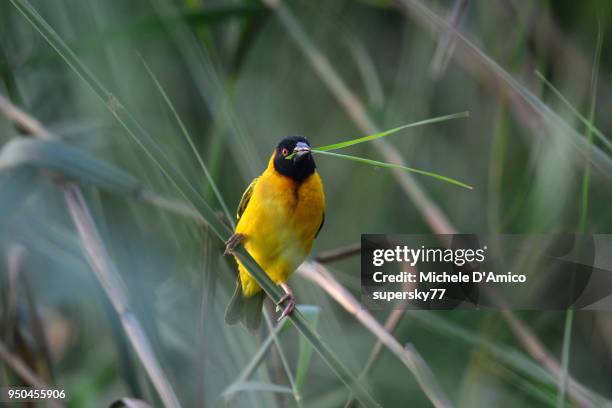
point(289, 299)
point(233, 242)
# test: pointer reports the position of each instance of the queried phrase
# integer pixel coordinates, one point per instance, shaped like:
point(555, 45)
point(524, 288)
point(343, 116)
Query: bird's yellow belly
point(279, 225)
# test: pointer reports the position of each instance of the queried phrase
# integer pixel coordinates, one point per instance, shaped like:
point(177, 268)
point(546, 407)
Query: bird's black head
point(301, 164)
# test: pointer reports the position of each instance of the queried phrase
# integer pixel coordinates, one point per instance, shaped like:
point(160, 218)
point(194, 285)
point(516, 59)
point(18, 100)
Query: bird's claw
point(289, 308)
point(233, 242)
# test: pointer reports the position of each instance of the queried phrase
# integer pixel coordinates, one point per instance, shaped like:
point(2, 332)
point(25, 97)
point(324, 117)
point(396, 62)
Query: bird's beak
point(301, 150)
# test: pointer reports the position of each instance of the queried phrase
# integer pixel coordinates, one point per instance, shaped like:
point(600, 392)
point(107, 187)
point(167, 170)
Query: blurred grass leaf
point(257, 358)
point(250, 386)
point(396, 166)
point(507, 355)
point(195, 17)
point(68, 161)
point(282, 353)
point(544, 394)
point(148, 25)
point(192, 145)
point(586, 122)
point(311, 313)
point(16, 185)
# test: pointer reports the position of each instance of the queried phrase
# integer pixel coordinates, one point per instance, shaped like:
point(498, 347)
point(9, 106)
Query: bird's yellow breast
point(279, 224)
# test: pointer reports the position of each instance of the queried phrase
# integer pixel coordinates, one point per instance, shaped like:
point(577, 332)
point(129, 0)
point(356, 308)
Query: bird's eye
point(284, 152)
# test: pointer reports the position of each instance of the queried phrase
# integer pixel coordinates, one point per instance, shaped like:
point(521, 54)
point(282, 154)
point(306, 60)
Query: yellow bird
point(279, 216)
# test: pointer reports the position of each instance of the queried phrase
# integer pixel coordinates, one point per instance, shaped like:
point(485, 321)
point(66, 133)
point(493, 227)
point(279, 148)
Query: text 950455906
point(9, 394)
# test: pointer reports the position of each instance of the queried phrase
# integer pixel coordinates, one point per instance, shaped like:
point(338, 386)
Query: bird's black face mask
point(300, 165)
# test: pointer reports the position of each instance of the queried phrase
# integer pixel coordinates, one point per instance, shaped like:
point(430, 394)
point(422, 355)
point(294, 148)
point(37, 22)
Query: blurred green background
point(240, 75)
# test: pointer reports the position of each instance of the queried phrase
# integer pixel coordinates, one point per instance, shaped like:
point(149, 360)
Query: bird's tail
point(245, 309)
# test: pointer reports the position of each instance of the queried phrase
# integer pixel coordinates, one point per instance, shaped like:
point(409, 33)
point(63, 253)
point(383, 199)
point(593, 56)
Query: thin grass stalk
point(192, 145)
point(284, 361)
point(19, 289)
point(258, 357)
point(584, 213)
point(11, 306)
point(423, 374)
point(367, 70)
point(531, 388)
point(586, 180)
point(390, 324)
point(388, 132)
point(28, 122)
point(585, 121)
point(496, 169)
point(110, 279)
point(446, 44)
point(15, 254)
point(207, 308)
point(24, 372)
point(565, 356)
point(338, 253)
point(254, 363)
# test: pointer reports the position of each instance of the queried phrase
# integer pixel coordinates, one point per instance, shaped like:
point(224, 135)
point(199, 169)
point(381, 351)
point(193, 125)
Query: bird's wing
point(321, 226)
point(246, 197)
